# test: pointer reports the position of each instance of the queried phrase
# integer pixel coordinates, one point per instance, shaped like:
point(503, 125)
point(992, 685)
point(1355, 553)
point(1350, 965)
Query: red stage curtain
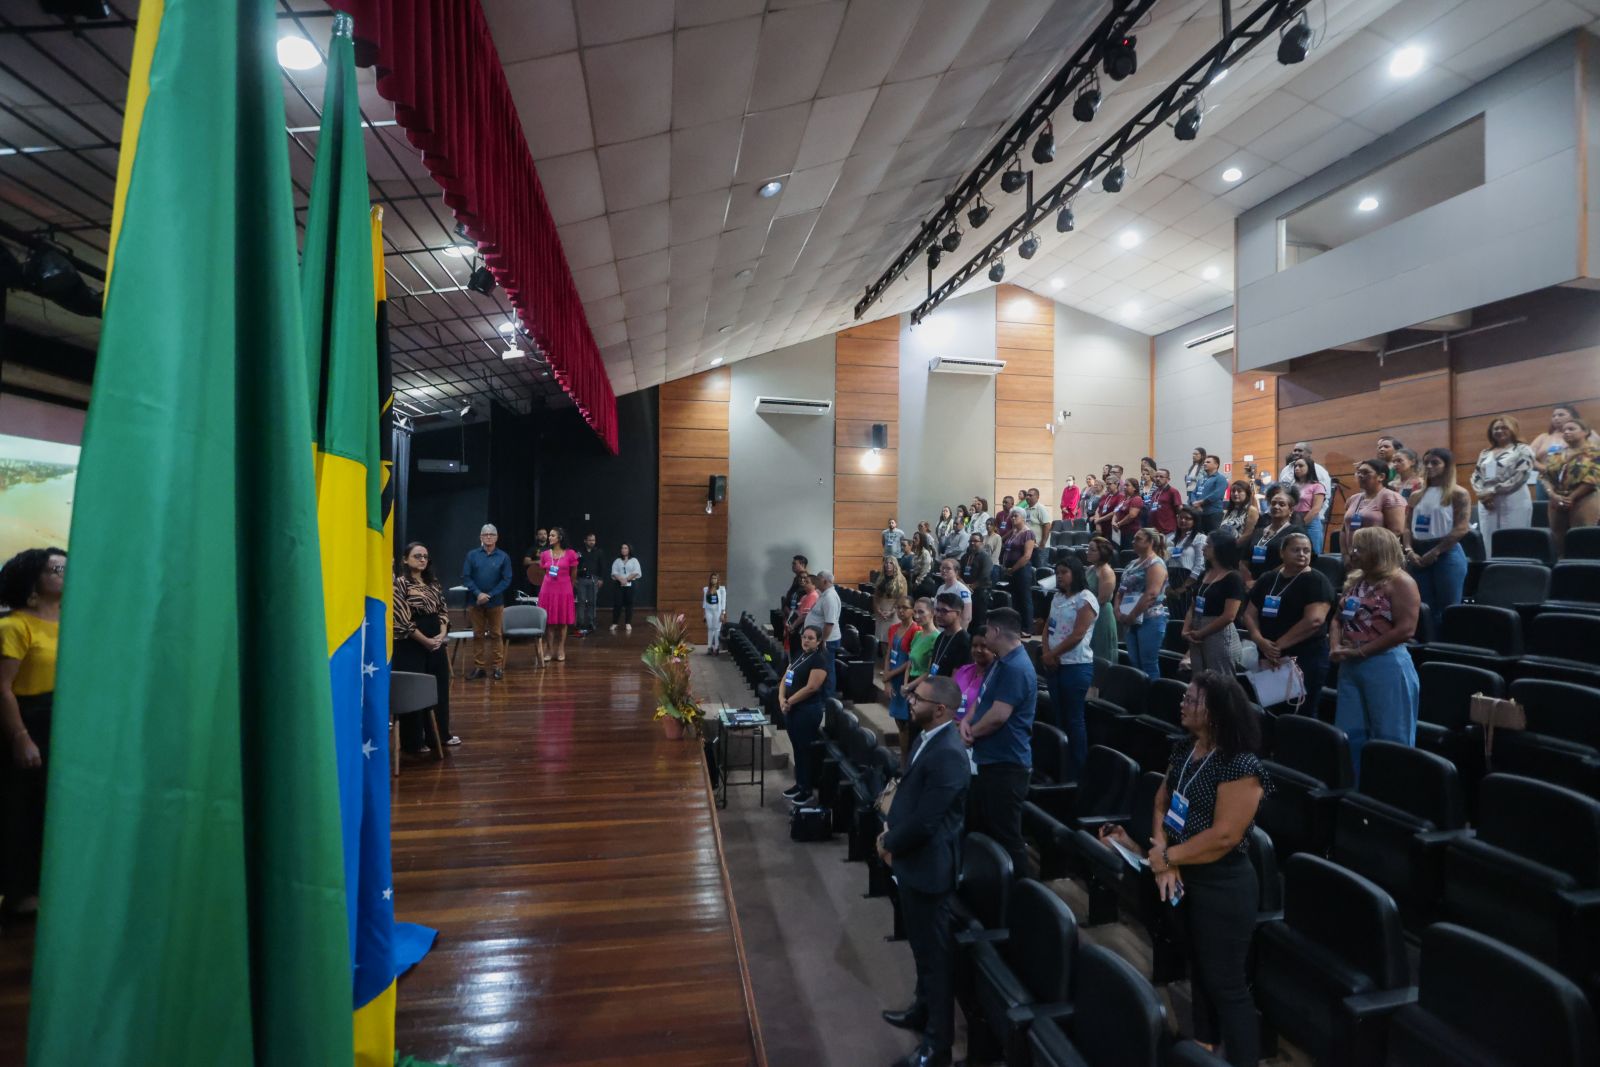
point(437, 63)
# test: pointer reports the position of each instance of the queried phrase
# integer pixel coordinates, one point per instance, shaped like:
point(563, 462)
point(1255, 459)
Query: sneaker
point(628, 627)
point(499, 675)
point(476, 674)
point(453, 741)
point(613, 627)
point(792, 792)
point(804, 800)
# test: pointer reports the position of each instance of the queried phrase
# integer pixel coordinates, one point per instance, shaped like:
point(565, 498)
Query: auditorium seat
point(1531, 876)
point(1024, 976)
point(1393, 828)
point(1310, 768)
point(1478, 635)
point(857, 667)
point(880, 767)
point(1049, 759)
point(1331, 567)
point(1524, 542)
point(981, 903)
point(1482, 1002)
point(1101, 795)
point(1111, 879)
point(1117, 1018)
point(1120, 691)
point(1324, 971)
point(1582, 543)
point(1507, 583)
point(1149, 735)
point(1562, 646)
point(1562, 742)
point(1444, 723)
point(1574, 587)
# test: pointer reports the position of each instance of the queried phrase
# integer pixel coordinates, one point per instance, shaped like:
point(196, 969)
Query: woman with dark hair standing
point(1068, 656)
point(1101, 580)
point(800, 698)
point(1378, 690)
point(421, 623)
point(625, 571)
point(1287, 615)
point(559, 563)
point(1270, 531)
point(1406, 479)
point(1572, 476)
point(1309, 496)
point(1186, 556)
point(1198, 854)
point(1500, 481)
point(1439, 517)
point(1105, 510)
point(1239, 512)
point(1142, 602)
point(1127, 518)
point(942, 528)
point(1376, 504)
point(1196, 471)
point(1089, 499)
point(30, 585)
point(1147, 477)
point(1218, 598)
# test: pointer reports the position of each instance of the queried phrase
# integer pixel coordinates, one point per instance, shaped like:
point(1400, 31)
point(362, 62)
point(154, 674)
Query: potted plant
point(666, 657)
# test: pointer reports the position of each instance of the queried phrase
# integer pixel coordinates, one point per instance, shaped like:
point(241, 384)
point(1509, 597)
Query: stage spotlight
point(482, 281)
point(466, 410)
point(997, 271)
point(1014, 178)
point(1115, 178)
point(1029, 246)
point(50, 274)
point(1188, 125)
point(1044, 149)
point(1064, 221)
point(979, 214)
point(1294, 43)
point(1121, 59)
point(1088, 102)
point(951, 241)
point(934, 255)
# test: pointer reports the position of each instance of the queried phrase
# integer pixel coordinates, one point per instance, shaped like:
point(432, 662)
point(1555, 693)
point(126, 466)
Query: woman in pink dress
point(557, 563)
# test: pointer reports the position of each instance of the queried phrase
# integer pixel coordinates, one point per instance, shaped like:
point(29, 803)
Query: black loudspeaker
point(880, 435)
point(717, 490)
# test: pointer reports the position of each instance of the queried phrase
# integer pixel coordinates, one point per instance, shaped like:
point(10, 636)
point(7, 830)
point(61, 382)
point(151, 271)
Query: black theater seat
point(1574, 587)
point(1025, 976)
point(1505, 584)
point(1117, 1019)
point(1394, 827)
point(1531, 876)
point(1325, 970)
point(1310, 767)
point(1563, 647)
point(1481, 1002)
point(1478, 635)
point(1120, 692)
point(1149, 734)
point(982, 902)
point(1583, 543)
point(1444, 723)
point(1562, 742)
point(1101, 795)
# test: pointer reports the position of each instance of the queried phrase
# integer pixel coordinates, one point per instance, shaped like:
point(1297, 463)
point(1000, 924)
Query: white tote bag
point(1283, 685)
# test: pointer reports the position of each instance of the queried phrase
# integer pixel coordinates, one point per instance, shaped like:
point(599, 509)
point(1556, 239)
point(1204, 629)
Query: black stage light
point(1120, 58)
point(1029, 245)
point(1088, 102)
point(50, 274)
point(997, 271)
point(952, 240)
point(933, 256)
point(978, 215)
point(1044, 149)
point(1064, 221)
point(1014, 178)
point(482, 281)
point(1114, 179)
point(77, 9)
point(1188, 125)
point(1295, 43)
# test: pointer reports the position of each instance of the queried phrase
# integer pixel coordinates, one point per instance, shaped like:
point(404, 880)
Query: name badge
point(555, 570)
point(1199, 605)
point(1258, 554)
point(966, 572)
point(932, 670)
point(1269, 610)
point(1355, 520)
point(1351, 606)
point(1130, 600)
point(961, 712)
point(1177, 813)
point(788, 677)
point(712, 599)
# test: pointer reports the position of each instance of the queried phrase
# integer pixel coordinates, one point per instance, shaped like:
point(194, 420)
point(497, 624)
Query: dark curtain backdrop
point(445, 511)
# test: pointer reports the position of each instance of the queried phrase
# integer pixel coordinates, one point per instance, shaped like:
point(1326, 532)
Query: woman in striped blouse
point(421, 623)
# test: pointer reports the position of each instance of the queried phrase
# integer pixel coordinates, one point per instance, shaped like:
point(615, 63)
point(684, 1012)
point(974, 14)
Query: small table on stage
point(750, 726)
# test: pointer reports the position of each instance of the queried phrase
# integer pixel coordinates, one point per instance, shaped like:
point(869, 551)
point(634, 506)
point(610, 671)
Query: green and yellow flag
point(194, 907)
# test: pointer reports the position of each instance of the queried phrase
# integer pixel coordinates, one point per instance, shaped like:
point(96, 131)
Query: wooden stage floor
point(568, 856)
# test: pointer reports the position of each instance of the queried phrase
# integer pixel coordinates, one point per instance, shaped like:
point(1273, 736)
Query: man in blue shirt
point(1000, 731)
point(1210, 494)
point(487, 575)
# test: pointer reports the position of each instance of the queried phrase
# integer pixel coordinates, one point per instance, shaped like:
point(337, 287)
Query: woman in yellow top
point(30, 585)
point(1572, 478)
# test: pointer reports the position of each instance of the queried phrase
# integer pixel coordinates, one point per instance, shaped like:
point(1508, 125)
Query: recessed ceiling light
point(1128, 238)
point(770, 190)
point(508, 327)
point(1211, 274)
point(1232, 174)
point(1130, 310)
point(716, 361)
point(1407, 61)
point(1368, 203)
point(1057, 283)
point(297, 53)
point(743, 274)
point(724, 329)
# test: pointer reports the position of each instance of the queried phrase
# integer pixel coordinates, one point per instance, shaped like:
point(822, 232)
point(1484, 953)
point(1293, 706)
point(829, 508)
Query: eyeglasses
point(423, 556)
point(56, 568)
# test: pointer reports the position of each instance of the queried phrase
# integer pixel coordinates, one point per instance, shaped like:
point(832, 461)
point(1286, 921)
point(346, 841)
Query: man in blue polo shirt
point(1000, 731)
point(1210, 494)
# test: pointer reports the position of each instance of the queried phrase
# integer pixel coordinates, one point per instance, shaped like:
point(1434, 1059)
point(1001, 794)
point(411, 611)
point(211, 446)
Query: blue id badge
point(1355, 520)
point(1269, 609)
point(1177, 813)
point(1199, 605)
point(933, 669)
point(1258, 554)
point(1351, 606)
point(712, 599)
point(788, 677)
point(555, 570)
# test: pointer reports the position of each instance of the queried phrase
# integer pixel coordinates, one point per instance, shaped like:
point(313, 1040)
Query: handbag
point(810, 824)
point(886, 798)
point(1284, 684)
point(1492, 712)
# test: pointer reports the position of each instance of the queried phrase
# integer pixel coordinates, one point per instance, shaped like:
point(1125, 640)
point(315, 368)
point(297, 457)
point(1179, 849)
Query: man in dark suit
point(921, 843)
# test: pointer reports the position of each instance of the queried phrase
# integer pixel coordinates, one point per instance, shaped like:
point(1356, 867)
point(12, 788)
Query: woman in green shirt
point(921, 657)
point(1100, 580)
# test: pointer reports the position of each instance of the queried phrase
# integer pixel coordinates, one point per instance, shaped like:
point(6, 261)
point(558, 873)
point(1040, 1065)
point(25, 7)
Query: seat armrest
point(1326, 795)
point(1361, 1032)
point(973, 937)
point(1092, 823)
point(1058, 801)
point(1022, 1015)
point(1430, 839)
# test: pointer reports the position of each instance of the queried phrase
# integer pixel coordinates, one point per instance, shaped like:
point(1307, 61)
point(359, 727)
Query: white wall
point(946, 420)
point(1517, 232)
point(1103, 380)
point(780, 473)
point(1194, 395)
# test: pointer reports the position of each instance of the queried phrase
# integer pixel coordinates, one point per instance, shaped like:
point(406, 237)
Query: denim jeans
point(1440, 585)
point(1144, 644)
point(1377, 701)
point(1315, 530)
point(1069, 690)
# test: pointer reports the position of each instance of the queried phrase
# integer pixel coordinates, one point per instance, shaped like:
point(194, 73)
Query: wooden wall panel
point(866, 370)
point(1040, 336)
point(1022, 413)
point(1033, 362)
point(1255, 421)
point(1024, 394)
point(1539, 383)
point(693, 444)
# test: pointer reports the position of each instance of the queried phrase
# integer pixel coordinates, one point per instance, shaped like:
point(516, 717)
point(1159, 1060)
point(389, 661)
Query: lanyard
point(1277, 576)
point(1197, 770)
point(1269, 533)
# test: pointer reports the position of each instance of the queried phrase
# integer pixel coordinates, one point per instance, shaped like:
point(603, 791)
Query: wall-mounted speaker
point(717, 490)
point(880, 435)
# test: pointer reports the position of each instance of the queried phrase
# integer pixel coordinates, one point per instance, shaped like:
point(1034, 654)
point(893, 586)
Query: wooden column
point(693, 427)
point(1255, 422)
point(866, 389)
point(1024, 395)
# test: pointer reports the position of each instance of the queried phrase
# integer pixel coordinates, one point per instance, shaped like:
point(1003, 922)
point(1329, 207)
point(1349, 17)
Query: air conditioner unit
point(1210, 341)
point(952, 365)
point(788, 405)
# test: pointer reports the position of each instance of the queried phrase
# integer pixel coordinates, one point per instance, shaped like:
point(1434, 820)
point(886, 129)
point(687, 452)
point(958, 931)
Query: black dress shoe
point(925, 1056)
point(914, 1017)
point(475, 675)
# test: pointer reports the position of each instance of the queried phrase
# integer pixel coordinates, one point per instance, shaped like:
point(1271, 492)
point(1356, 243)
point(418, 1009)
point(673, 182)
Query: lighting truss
point(1261, 24)
point(1078, 72)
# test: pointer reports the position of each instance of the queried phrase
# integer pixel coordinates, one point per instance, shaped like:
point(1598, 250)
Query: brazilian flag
point(194, 905)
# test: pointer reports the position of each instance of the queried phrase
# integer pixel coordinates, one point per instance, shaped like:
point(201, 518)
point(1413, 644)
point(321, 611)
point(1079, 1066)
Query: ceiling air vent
point(788, 405)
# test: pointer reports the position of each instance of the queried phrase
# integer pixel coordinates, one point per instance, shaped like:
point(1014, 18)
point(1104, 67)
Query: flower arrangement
point(666, 657)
